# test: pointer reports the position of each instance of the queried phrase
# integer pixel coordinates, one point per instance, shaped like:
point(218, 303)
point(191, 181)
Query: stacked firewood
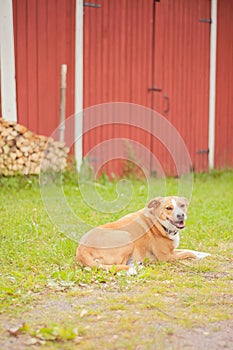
point(23, 152)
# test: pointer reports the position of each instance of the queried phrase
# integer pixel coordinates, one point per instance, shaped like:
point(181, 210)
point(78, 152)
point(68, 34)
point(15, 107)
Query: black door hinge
point(90, 4)
point(205, 20)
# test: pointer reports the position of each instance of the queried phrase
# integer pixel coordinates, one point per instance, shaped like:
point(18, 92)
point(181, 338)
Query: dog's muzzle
point(180, 224)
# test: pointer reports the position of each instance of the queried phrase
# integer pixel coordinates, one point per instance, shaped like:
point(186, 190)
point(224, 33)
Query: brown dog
point(151, 233)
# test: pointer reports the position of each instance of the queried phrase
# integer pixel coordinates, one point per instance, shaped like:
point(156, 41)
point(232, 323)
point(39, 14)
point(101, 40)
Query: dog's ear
point(154, 203)
point(151, 206)
point(185, 201)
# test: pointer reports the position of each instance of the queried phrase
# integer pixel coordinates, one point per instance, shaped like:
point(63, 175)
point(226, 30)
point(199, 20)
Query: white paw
point(140, 266)
point(201, 255)
point(131, 271)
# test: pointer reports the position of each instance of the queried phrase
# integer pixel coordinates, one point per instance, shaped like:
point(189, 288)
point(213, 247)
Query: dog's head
point(171, 212)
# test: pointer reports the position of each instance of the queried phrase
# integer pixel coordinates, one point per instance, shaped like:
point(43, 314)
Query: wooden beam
point(7, 62)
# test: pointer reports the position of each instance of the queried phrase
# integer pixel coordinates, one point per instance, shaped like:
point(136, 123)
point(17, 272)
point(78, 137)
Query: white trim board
point(7, 62)
point(78, 83)
point(212, 92)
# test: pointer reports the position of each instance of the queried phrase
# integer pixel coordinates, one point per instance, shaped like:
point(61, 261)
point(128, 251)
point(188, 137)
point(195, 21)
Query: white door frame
point(7, 62)
point(78, 123)
point(79, 82)
point(212, 89)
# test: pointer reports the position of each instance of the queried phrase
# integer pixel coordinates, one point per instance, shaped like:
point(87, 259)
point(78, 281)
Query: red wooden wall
point(44, 39)
point(224, 88)
point(131, 46)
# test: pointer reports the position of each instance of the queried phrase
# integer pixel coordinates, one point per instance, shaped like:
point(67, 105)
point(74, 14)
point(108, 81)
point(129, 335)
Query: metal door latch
point(203, 151)
point(90, 4)
point(205, 20)
point(154, 89)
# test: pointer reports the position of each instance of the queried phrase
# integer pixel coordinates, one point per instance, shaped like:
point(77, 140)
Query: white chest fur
point(175, 238)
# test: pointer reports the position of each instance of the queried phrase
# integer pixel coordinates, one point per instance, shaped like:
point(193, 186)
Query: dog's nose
point(180, 216)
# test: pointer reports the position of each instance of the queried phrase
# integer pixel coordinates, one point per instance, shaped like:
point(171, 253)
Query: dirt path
point(123, 327)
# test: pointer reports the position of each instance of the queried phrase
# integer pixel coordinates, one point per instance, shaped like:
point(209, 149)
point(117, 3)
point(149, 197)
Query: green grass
point(38, 267)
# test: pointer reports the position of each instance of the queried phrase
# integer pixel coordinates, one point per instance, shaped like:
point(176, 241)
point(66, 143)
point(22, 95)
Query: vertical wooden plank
point(123, 75)
point(105, 50)
point(70, 53)
point(52, 64)
point(78, 82)
point(61, 32)
point(20, 23)
point(7, 62)
point(112, 131)
point(61, 38)
point(44, 118)
point(91, 25)
point(224, 86)
point(142, 26)
point(31, 54)
point(70, 57)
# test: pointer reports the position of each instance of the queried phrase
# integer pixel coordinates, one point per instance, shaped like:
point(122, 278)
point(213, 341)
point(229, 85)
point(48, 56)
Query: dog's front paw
point(201, 255)
point(131, 271)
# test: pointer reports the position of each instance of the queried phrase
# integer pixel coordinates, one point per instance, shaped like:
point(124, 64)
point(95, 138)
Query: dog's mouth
point(178, 224)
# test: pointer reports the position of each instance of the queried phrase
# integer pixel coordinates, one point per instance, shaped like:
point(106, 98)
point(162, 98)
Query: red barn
point(172, 56)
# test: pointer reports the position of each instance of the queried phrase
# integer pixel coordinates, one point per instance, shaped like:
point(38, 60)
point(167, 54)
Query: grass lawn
point(48, 302)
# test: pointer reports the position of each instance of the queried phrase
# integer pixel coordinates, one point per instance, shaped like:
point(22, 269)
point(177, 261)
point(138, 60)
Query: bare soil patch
point(110, 330)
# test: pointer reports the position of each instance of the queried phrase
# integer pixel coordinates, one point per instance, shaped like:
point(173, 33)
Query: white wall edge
point(78, 83)
point(212, 93)
point(7, 61)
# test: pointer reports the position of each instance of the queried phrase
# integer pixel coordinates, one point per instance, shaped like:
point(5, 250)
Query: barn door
point(117, 68)
point(155, 54)
point(181, 72)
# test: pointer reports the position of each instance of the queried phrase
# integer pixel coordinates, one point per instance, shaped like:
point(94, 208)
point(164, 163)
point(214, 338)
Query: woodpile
point(22, 151)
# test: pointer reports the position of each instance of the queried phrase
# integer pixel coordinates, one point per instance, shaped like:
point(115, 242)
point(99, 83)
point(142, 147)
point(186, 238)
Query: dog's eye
point(182, 206)
point(169, 208)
